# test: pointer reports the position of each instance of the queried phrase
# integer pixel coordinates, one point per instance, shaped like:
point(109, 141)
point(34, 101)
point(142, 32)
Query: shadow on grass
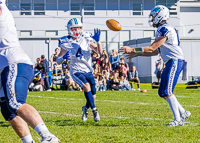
point(71, 122)
point(4, 124)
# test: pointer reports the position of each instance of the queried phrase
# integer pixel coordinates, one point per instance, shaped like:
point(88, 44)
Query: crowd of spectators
point(110, 72)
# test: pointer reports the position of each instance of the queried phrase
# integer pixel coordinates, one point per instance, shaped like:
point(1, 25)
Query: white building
point(41, 22)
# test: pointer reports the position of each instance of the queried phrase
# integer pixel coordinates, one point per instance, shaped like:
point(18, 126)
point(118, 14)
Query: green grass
point(126, 116)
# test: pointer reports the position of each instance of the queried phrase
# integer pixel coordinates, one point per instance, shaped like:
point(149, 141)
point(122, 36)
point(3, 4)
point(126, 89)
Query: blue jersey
point(79, 52)
point(170, 49)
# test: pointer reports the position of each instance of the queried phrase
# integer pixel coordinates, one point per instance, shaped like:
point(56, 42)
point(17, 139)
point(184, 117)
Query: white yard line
point(120, 117)
point(112, 101)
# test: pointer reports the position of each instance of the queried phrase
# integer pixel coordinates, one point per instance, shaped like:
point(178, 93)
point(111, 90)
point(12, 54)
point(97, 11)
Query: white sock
point(173, 103)
point(42, 130)
point(27, 139)
point(180, 108)
point(94, 109)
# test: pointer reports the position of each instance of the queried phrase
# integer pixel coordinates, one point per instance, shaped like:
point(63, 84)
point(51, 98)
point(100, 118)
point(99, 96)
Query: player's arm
point(62, 56)
point(0, 11)
point(96, 47)
point(144, 51)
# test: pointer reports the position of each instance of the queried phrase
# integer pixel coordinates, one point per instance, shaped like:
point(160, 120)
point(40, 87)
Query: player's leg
point(17, 123)
point(16, 79)
point(91, 80)
point(169, 79)
point(81, 80)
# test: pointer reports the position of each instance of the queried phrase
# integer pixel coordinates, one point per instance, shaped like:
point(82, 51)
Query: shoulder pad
point(63, 40)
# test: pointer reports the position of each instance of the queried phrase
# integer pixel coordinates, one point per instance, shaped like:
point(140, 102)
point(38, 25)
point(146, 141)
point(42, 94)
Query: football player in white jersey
point(77, 46)
point(16, 71)
point(166, 44)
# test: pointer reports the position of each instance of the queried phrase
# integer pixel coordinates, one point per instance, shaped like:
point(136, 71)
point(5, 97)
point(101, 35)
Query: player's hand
point(132, 55)
point(66, 56)
point(126, 49)
point(97, 33)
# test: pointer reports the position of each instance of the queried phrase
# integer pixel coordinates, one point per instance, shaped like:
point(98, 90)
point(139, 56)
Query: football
point(144, 91)
point(113, 25)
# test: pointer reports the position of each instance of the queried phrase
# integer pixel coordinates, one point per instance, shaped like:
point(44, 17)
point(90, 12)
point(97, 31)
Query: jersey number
point(79, 53)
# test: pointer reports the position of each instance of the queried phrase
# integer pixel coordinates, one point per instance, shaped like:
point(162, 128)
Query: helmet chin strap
point(161, 23)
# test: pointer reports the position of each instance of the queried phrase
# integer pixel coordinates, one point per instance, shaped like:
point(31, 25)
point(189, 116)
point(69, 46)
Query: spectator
point(159, 67)
point(65, 65)
point(54, 65)
point(102, 83)
point(37, 84)
point(97, 68)
point(107, 63)
point(70, 82)
point(114, 59)
point(115, 83)
point(45, 72)
point(38, 65)
point(96, 79)
point(124, 83)
point(104, 54)
point(122, 60)
point(133, 77)
point(122, 70)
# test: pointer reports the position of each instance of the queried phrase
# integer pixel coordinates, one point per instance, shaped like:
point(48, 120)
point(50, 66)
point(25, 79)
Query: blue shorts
point(15, 81)
point(169, 77)
point(83, 78)
point(5, 111)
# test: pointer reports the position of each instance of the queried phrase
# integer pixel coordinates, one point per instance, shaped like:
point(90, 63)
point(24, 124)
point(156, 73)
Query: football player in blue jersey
point(166, 44)
point(76, 47)
point(16, 71)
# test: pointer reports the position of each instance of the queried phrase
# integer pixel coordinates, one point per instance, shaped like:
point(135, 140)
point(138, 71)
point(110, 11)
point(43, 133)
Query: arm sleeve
point(163, 32)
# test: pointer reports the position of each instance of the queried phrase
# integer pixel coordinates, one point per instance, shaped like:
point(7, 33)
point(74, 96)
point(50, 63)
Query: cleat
point(50, 139)
point(85, 113)
point(96, 115)
point(176, 123)
point(185, 115)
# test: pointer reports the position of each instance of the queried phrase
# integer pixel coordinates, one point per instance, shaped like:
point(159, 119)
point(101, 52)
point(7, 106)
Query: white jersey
point(79, 52)
point(10, 49)
point(171, 48)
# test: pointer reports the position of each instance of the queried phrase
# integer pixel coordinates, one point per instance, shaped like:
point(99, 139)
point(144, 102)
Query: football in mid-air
point(113, 25)
point(144, 91)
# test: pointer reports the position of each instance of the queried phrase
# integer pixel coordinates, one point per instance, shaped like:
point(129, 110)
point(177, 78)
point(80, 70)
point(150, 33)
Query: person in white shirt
point(166, 44)
point(16, 71)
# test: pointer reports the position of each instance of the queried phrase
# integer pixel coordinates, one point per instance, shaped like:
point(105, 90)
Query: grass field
point(126, 116)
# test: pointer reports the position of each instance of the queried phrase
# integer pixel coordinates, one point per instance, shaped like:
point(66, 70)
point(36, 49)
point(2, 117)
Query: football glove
point(97, 33)
point(66, 56)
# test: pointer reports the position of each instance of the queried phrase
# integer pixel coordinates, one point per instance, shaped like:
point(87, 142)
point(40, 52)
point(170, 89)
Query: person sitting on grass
point(124, 83)
point(133, 77)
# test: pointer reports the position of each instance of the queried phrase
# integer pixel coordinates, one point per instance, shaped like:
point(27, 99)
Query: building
point(41, 22)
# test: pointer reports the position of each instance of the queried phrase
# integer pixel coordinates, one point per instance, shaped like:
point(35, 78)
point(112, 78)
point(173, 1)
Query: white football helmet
point(74, 22)
point(158, 14)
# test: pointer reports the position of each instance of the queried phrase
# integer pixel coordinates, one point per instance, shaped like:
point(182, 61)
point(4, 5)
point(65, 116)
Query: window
point(112, 4)
point(39, 7)
point(89, 9)
point(25, 9)
point(149, 33)
point(13, 4)
point(51, 33)
point(75, 9)
point(137, 7)
point(26, 33)
point(171, 4)
point(51, 4)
